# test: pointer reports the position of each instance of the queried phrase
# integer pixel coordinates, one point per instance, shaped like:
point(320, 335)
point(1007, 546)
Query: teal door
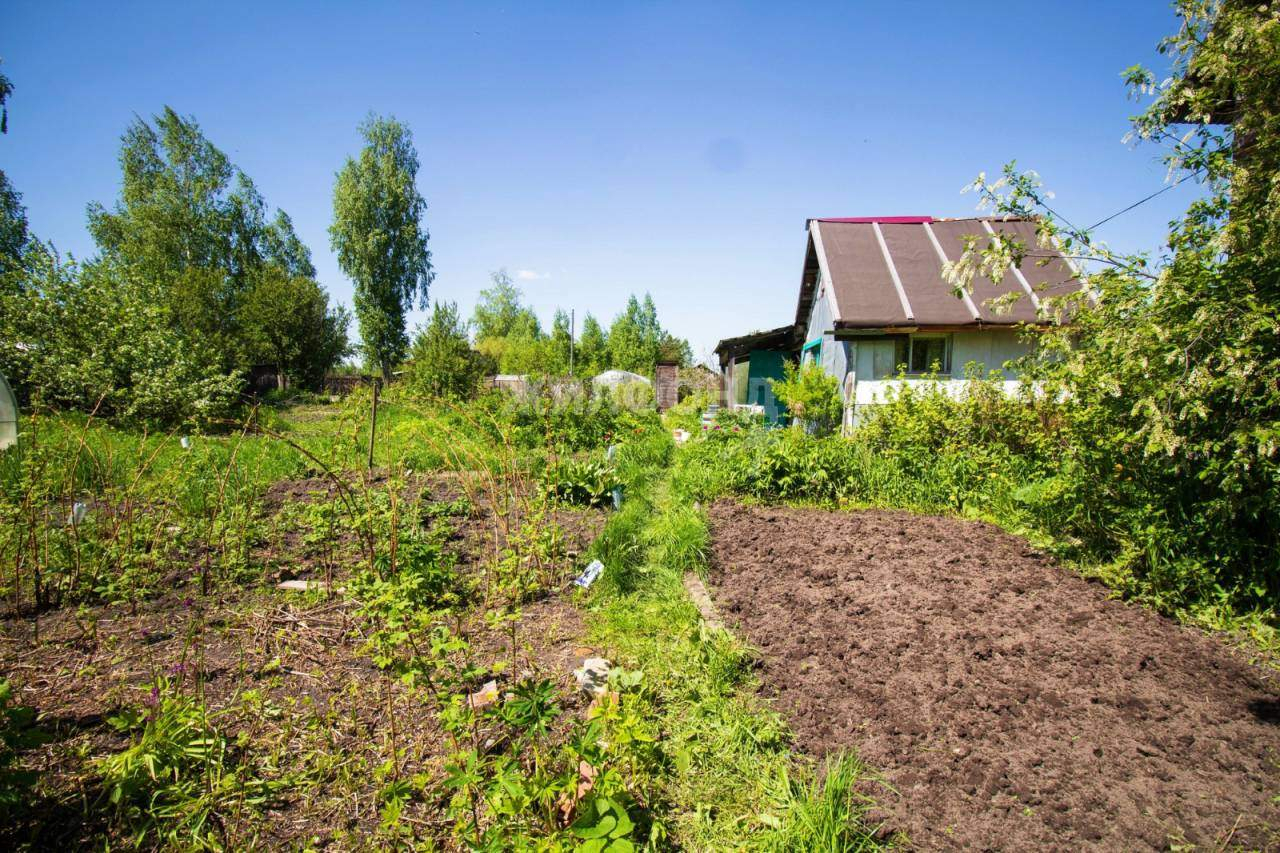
point(763, 366)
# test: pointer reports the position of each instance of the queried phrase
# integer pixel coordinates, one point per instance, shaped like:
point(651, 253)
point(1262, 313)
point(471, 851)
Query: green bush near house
point(811, 395)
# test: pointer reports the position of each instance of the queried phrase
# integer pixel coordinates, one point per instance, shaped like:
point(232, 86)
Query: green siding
point(763, 366)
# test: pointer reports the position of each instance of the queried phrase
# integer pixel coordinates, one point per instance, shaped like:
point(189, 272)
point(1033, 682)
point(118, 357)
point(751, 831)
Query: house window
point(925, 353)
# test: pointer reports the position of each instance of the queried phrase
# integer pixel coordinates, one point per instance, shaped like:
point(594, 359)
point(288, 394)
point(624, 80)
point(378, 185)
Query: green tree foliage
point(99, 337)
point(157, 328)
point(287, 322)
point(637, 341)
point(593, 347)
point(282, 247)
point(501, 313)
point(183, 206)
point(634, 337)
point(671, 348)
point(194, 225)
point(13, 226)
point(6, 89)
point(442, 362)
point(1170, 429)
point(381, 242)
point(507, 330)
point(13, 216)
point(558, 345)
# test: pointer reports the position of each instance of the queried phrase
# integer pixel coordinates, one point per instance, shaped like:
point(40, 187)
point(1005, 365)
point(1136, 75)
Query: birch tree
point(380, 239)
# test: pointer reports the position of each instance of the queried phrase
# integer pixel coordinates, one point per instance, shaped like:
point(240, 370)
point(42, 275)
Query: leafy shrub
point(642, 454)
point(736, 420)
point(925, 417)
point(811, 395)
point(430, 511)
point(98, 337)
point(1167, 432)
point(567, 419)
point(687, 414)
point(441, 360)
point(413, 573)
point(579, 482)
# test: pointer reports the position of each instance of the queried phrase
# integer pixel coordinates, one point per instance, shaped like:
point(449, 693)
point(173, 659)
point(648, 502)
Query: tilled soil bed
point(1008, 703)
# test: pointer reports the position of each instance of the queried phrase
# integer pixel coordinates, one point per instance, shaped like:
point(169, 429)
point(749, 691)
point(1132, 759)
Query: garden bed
point(286, 673)
point(1009, 703)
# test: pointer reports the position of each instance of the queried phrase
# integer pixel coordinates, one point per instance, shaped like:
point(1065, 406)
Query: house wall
point(821, 315)
point(990, 348)
point(875, 378)
point(746, 380)
point(875, 358)
point(866, 366)
point(836, 356)
point(728, 388)
point(871, 392)
point(741, 368)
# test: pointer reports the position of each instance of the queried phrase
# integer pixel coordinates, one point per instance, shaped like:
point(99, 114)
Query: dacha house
point(875, 310)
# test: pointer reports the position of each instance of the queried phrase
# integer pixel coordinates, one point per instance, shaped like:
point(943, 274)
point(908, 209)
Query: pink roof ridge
point(883, 220)
point(915, 220)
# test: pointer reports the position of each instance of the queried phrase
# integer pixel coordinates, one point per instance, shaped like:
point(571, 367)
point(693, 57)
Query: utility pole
point(571, 335)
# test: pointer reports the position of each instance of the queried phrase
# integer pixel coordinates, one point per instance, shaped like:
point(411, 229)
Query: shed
point(876, 311)
point(749, 362)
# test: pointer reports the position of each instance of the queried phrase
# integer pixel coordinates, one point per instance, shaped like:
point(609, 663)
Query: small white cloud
point(531, 275)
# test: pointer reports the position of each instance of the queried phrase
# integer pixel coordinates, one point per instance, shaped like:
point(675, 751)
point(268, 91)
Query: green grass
point(94, 455)
point(823, 811)
point(733, 780)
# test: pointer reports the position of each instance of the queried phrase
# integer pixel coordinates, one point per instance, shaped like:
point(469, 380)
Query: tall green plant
point(13, 226)
point(99, 337)
point(289, 324)
point(1171, 422)
point(442, 362)
point(811, 395)
point(195, 228)
point(381, 242)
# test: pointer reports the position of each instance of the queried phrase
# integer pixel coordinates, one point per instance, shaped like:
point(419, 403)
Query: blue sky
point(599, 149)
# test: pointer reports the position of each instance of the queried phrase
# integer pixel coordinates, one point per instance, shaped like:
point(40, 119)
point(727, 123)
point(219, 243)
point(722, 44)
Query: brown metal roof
point(781, 338)
point(887, 272)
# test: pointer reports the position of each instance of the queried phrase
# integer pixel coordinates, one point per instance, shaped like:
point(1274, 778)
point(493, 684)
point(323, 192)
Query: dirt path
point(1010, 704)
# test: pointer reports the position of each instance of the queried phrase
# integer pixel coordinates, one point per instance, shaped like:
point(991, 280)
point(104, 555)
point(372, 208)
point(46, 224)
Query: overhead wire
point(1143, 201)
